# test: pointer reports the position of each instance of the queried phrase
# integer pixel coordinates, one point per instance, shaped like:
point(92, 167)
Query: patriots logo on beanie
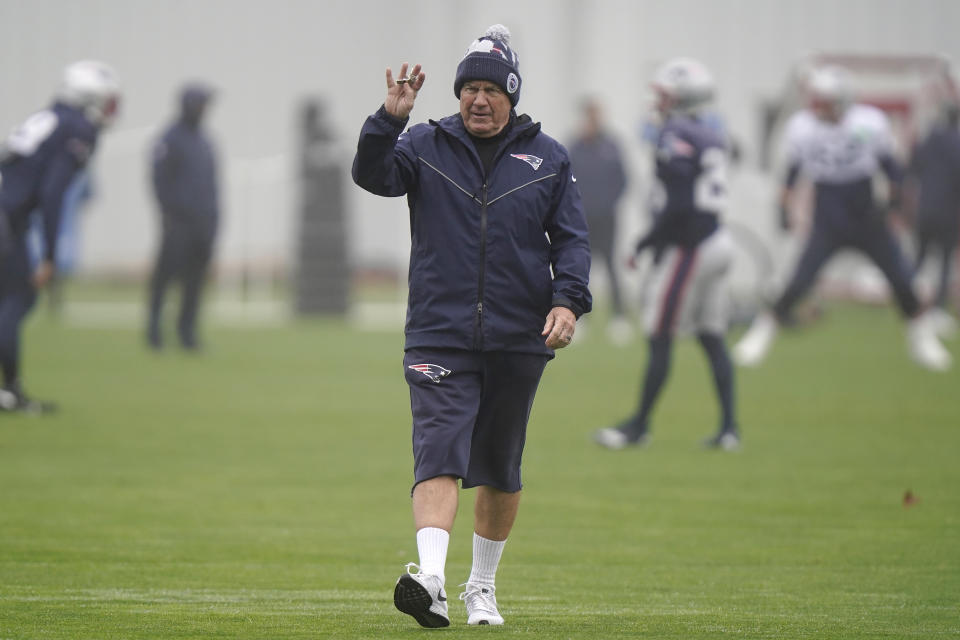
point(490, 58)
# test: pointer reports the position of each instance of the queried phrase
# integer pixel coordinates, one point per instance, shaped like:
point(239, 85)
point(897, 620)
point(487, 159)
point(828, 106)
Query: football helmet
point(683, 85)
point(92, 87)
point(830, 89)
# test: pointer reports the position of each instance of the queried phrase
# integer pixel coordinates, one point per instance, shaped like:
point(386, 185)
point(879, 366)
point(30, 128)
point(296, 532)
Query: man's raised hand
point(402, 92)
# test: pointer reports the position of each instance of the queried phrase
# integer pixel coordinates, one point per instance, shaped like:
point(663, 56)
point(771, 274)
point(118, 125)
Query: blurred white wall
point(266, 56)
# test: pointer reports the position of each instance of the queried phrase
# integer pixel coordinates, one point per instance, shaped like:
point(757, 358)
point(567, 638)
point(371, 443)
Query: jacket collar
point(521, 126)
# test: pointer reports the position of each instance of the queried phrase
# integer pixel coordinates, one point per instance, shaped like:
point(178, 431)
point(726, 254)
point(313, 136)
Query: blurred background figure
point(184, 171)
point(599, 167)
point(323, 275)
point(38, 162)
point(841, 146)
point(693, 252)
point(934, 171)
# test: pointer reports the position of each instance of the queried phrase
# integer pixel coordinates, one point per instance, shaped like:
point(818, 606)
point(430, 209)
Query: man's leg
point(13, 309)
point(163, 271)
point(946, 267)
point(434, 510)
point(634, 430)
point(673, 293)
point(620, 330)
point(753, 347)
point(494, 513)
point(658, 368)
point(922, 342)
point(665, 303)
point(722, 369)
point(922, 246)
point(17, 297)
point(881, 247)
point(435, 503)
point(421, 594)
point(509, 386)
point(604, 240)
point(445, 392)
point(196, 262)
point(820, 246)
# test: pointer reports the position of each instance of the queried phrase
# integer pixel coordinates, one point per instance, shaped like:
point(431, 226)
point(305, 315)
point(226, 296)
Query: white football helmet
point(93, 87)
point(830, 89)
point(684, 85)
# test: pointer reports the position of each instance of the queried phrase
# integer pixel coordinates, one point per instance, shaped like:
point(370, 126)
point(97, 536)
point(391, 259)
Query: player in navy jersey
point(692, 250)
point(840, 146)
point(39, 160)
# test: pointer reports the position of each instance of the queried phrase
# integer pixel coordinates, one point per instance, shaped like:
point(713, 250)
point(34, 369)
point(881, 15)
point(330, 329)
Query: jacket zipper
point(478, 323)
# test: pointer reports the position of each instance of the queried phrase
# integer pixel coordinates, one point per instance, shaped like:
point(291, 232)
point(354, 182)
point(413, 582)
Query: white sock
point(432, 544)
point(486, 557)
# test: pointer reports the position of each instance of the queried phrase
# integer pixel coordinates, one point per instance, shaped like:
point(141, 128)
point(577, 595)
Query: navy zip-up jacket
point(490, 254)
point(43, 156)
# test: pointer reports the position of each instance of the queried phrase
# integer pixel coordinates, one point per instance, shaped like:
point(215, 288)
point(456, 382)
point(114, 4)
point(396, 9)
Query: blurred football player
point(935, 172)
point(840, 146)
point(39, 160)
point(599, 166)
point(693, 251)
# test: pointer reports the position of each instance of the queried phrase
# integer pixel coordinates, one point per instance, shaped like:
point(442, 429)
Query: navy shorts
point(470, 412)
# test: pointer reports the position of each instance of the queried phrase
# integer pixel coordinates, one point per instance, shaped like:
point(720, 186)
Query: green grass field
point(262, 491)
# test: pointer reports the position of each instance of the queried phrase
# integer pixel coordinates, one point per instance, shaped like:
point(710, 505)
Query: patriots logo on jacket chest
point(533, 161)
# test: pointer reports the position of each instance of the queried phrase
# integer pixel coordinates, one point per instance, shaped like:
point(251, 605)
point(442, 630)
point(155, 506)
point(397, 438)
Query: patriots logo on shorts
point(433, 371)
point(533, 161)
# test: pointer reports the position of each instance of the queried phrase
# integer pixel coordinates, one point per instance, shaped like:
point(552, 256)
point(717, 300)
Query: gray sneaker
point(481, 604)
point(725, 441)
point(616, 439)
point(421, 595)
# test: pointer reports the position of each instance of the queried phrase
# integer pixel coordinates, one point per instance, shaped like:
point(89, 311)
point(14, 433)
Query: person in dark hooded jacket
point(934, 173)
point(499, 263)
point(184, 172)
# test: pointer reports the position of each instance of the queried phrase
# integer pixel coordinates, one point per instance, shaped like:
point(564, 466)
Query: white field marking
point(378, 316)
point(366, 316)
point(376, 602)
point(234, 313)
point(159, 596)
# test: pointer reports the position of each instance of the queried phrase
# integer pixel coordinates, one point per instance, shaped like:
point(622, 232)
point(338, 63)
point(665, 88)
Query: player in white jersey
point(840, 146)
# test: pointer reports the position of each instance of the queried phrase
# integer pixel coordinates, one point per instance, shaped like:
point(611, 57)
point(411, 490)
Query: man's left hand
point(559, 327)
point(43, 274)
point(401, 93)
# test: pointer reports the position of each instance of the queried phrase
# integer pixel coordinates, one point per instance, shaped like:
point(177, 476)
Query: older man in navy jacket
point(499, 263)
point(185, 184)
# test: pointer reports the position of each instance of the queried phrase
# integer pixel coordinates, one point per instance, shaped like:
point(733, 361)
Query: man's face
point(662, 102)
point(826, 110)
point(485, 108)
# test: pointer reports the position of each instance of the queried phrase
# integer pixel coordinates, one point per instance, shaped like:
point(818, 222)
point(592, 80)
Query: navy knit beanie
point(490, 57)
